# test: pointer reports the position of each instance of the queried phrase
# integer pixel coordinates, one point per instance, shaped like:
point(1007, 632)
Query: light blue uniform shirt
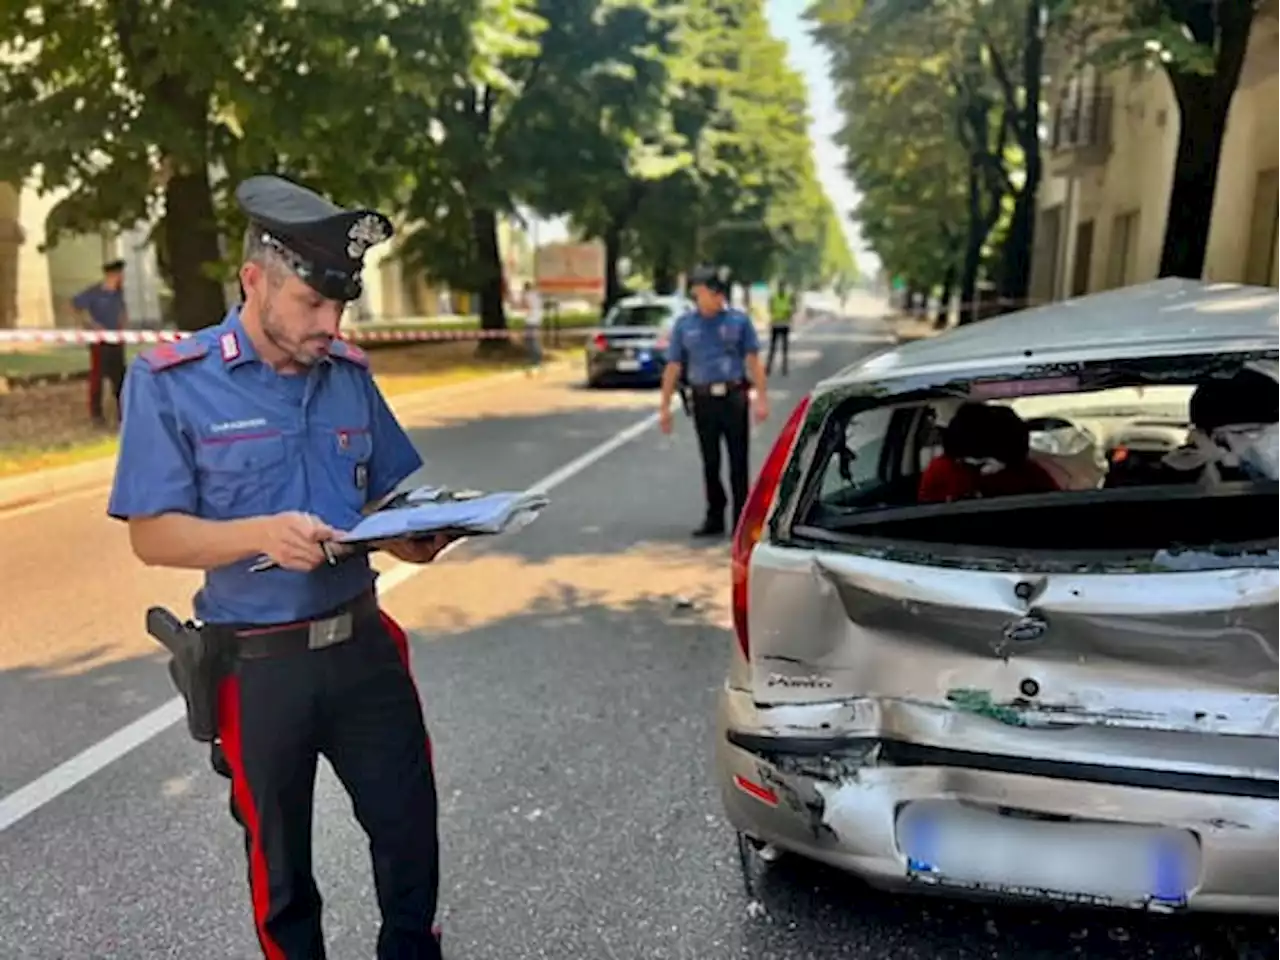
point(105, 307)
point(713, 349)
point(214, 432)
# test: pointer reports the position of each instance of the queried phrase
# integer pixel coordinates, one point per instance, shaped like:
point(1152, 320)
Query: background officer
point(265, 436)
point(717, 348)
point(782, 309)
point(102, 306)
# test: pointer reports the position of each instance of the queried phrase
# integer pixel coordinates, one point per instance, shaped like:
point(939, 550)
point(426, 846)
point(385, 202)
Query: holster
point(197, 665)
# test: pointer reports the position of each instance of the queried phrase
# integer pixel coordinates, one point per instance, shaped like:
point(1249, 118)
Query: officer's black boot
point(712, 526)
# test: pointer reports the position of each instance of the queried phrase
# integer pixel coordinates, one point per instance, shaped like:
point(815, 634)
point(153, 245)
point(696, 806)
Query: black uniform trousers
point(779, 336)
point(724, 418)
point(106, 360)
point(354, 703)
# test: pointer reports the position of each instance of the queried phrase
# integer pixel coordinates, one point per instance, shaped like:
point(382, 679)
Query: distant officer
point(264, 436)
point(716, 347)
point(782, 308)
point(102, 306)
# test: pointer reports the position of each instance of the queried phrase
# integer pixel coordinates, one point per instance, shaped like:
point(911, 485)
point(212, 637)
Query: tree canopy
point(942, 103)
point(671, 129)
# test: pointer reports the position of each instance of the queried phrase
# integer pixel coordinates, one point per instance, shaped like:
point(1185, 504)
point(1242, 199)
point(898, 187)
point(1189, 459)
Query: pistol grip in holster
point(197, 665)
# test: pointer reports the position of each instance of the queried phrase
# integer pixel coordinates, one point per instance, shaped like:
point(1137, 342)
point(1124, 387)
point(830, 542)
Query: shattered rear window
point(1056, 463)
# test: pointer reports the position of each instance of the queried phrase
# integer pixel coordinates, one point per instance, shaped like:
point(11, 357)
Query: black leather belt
point(276, 640)
point(720, 389)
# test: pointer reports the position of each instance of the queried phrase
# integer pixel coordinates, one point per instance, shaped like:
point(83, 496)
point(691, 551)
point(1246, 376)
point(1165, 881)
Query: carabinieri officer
point(264, 436)
point(717, 347)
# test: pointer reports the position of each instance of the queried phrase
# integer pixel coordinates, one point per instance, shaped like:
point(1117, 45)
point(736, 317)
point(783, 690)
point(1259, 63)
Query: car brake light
point(600, 341)
point(755, 512)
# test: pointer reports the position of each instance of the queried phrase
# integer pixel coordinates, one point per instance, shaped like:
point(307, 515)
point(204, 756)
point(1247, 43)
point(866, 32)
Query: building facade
point(1108, 171)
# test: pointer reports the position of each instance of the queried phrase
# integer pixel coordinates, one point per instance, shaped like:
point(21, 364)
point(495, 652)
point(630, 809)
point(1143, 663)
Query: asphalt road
point(568, 675)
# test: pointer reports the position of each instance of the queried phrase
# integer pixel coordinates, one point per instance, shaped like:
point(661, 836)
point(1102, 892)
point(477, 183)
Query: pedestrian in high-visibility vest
point(782, 308)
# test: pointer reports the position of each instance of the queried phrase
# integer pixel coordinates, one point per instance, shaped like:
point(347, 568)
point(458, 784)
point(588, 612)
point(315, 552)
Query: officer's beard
point(301, 352)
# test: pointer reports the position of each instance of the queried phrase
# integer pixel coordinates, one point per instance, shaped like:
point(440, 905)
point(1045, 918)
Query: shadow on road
point(77, 694)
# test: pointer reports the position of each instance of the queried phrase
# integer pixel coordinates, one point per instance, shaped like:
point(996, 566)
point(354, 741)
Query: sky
point(787, 23)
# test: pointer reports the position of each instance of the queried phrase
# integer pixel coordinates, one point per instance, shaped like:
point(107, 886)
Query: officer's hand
point(665, 423)
point(762, 407)
point(417, 550)
point(293, 540)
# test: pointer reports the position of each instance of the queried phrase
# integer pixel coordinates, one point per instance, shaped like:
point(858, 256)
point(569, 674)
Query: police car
point(630, 346)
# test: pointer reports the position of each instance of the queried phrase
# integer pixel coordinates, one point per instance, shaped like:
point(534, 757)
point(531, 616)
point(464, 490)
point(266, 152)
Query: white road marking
point(85, 764)
point(66, 776)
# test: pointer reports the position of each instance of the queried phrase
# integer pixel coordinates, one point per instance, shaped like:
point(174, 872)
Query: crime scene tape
point(91, 337)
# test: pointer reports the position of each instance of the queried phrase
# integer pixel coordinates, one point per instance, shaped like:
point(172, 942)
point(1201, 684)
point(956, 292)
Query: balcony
point(1080, 133)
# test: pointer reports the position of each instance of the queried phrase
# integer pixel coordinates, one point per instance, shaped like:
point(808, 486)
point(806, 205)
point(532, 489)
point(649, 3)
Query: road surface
point(568, 676)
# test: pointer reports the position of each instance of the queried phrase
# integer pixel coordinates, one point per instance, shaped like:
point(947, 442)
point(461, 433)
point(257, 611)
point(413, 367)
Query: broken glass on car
point(1139, 463)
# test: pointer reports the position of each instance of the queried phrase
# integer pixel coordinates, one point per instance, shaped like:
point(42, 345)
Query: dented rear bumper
point(836, 796)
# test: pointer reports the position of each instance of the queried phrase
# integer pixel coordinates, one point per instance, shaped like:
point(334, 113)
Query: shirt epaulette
point(345, 350)
point(169, 355)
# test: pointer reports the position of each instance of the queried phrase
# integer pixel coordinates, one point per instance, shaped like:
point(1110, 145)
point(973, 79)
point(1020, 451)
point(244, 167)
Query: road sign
point(570, 270)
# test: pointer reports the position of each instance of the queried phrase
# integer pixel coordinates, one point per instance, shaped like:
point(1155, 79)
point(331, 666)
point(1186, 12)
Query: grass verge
point(47, 426)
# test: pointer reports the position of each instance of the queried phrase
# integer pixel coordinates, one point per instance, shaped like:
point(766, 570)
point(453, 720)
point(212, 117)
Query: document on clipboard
point(474, 515)
point(426, 511)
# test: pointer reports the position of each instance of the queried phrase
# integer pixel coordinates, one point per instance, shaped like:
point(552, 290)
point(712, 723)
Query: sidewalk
point(29, 489)
point(908, 327)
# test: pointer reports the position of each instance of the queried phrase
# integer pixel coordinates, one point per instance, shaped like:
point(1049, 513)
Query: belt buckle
point(719, 389)
point(325, 633)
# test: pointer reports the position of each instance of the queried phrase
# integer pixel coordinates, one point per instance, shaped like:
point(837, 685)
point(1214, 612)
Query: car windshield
point(647, 315)
point(1069, 466)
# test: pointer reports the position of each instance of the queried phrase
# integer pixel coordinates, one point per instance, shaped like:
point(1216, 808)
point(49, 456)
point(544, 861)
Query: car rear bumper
point(845, 812)
point(606, 369)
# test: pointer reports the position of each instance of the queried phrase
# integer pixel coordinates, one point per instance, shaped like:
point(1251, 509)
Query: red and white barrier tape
point(89, 337)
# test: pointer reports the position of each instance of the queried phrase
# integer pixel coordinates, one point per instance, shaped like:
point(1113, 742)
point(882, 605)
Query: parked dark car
point(630, 345)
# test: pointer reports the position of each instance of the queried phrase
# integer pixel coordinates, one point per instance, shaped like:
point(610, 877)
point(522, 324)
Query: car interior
point(1143, 466)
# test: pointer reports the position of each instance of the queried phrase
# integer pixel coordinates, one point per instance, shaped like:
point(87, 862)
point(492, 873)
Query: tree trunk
point(1203, 104)
point(1015, 269)
point(975, 236)
point(664, 274)
point(192, 254)
point(484, 232)
point(612, 253)
point(944, 298)
point(1195, 176)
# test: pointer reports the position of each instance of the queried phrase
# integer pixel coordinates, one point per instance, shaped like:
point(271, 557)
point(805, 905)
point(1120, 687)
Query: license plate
point(1106, 863)
point(628, 366)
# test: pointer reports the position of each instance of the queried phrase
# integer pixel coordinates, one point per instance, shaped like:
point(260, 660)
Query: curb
point(29, 489)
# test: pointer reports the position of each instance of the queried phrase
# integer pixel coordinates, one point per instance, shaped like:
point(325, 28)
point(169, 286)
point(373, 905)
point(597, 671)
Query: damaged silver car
point(1005, 605)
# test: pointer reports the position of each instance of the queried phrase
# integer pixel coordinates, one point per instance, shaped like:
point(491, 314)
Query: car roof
point(1168, 317)
point(673, 301)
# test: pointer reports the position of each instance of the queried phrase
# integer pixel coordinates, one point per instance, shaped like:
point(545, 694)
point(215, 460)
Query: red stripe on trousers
point(95, 377)
point(401, 640)
point(229, 733)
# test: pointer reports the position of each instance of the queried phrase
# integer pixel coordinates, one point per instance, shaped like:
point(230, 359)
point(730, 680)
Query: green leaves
point(674, 128)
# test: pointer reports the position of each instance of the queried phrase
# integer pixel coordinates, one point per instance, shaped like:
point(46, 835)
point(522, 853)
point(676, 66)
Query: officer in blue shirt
point(103, 305)
point(264, 436)
point(716, 349)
